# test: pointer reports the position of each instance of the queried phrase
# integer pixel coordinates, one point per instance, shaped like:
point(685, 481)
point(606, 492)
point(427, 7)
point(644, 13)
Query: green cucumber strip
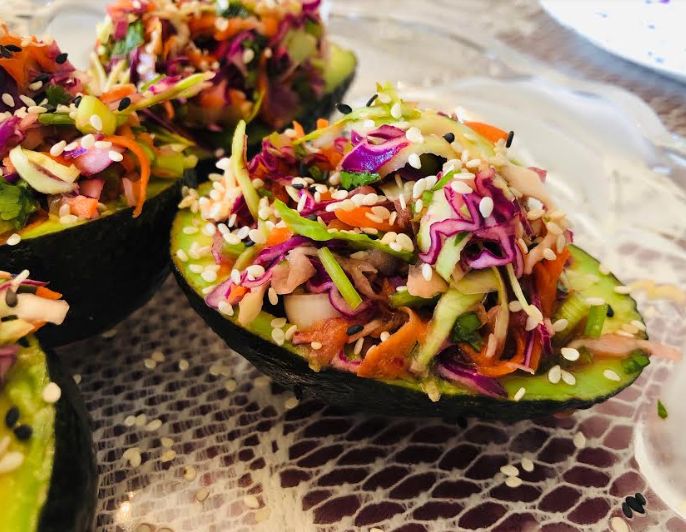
point(240, 171)
point(573, 309)
point(451, 305)
point(245, 258)
point(339, 278)
point(595, 320)
point(450, 254)
point(405, 299)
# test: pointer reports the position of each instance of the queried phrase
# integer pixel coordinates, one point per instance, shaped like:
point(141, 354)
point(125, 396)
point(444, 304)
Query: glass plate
point(247, 455)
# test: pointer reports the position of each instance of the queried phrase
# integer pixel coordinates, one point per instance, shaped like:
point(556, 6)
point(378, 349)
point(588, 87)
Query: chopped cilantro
point(466, 329)
point(56, 95)
point(133, 39)
point(16, 204)
point(350, 180)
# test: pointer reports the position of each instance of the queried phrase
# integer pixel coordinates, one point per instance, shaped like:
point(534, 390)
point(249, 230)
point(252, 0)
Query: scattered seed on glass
point(579, 440)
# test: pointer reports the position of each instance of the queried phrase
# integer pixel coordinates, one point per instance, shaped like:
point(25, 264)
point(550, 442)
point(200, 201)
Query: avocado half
point(106, 268)
point(288, 366)
point(339, 73)
point(55, 489)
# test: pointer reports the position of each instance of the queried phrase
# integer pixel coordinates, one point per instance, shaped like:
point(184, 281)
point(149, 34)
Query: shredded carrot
point(331, 334)
point(493, 367)
point(360, 217)
point(278, 235)
point(234, 27)
point(144, 163)
point(390, 359)
point(299, 131)
point(270, 25)
point(46, 293)
point(118, 93)
point(236, 294)
point(83, 206)
point(492, 133)
point(322, 123)
point(37, 325)
point(546, 275)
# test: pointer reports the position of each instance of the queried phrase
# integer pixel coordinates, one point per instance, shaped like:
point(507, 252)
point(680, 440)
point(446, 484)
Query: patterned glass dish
point(233, 452)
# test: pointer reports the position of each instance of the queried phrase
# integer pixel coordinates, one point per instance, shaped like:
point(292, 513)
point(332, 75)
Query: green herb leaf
point(350, 180)
point(313, 230)
point(16, 204)
point(134, 38)
point(635, 362)
point(661, 410)
point(234, 9)
point(466, 329)
point(56, 95)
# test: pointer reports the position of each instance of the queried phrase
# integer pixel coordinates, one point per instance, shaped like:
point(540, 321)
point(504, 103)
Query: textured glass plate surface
point(250, 456)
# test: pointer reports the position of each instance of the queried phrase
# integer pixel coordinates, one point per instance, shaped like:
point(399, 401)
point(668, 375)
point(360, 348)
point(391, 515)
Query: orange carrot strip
point(144, 163)
point(492, 133)
point(359, 217)
point(46, 293)
point(278, 235)
point(118, 93)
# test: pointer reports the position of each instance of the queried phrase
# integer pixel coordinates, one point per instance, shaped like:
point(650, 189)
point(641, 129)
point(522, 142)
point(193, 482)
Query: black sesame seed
point(354, 329)
point(312, 217)
point(510, 137)
point(77, 100)
point(610, 311)
point(11, 298)
point(23, 432)
point(371, 100)
point(13, 47)
point(249, 243)
point(298, 186)
point(635, 505)
point(4, 52)
point(42, 77)
point(344, 108)
point(26, 289)
point(11, 317)
point(626, 510)
point(449, 138)
point(640, 498)
point(124, 103)
point(61, 58)
point(11, 417)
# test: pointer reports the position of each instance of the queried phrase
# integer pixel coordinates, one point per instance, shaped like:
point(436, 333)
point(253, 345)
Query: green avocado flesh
point(54, 489)
point(541, 396)
point(23, 492)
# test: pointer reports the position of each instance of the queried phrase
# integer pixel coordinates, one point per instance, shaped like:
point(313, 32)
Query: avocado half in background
point(55, 487)
point(106, 268)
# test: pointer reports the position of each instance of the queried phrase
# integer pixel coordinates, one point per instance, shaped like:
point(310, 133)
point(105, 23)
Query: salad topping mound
point(70, 156)
point(401, 243)
point(268, 56)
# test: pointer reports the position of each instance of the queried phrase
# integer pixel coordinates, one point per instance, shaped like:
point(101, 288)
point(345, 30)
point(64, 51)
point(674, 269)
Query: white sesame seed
point(357, 349)
point(133, 456)
point(130, 421)
point(115, 156)
point(549, 254)
point(11, 461)
point(413, 134)
point(535, 214)
point(418, 206)
point(560, 325)
point(427, 272)
point(157, 356)
point(532, 322)
point(272, 296)
point(278, 323)
point(13, 239)
point(579, 440)
point(87, 141)
point(96, 122)
point(68, 219)
point(316, 345)
point(278, 336)
point(153, 425)
point(568, 378)
point(255, 271)
point(248, 55)
point(57, 148)
point(209, 229)
point(166, 442)
point(182, 256)
point(209, 276)
point(513, 482)
point(103, 144)
point(51, 393)
point(7, 99)
point(622, 289)
point(617, 524)
point(225, 308)
point(396, 111)
point(77, 378)
point(290, 332)
point(527, 464)
point(414, 161)
point(230, 385)
point(189, 473)
point(473, 163)
point(555, 374)
point(520, 393)
point(251, 502)
point(168, 455)
point(183, 364)
point(486, 206)
point(196, 268)
point(385, 335)
point(202, 494)
point(569, 353)
point(461, 187)
point(150, 363)
point(611, 375)
point(554, 228)
point(509, 470)
point(595, 301)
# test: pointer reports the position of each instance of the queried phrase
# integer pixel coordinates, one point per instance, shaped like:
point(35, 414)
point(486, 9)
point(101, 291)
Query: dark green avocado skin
point(106, 268)
point(257, 130)
point(349, 392)
point(72, 496)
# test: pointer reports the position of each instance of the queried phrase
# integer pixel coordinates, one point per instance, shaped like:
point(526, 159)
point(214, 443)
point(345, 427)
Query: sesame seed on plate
point(617, 524)
point(569, 353)
point(230, 385)
point(96, 122)
point(527, 464)
point(130, 421)
point(189, 473)
point(414, 161)
point(153, 425)
point(513, 482)
point(115, 156)
point(427, 272)
point(166, 442)
point(611, 375)
point(251, 502)
point(168, 455)
point(51, 393)
point(291, 403)
point(13, 239)
point(520, 393)
point(509, 470)
point(579, 440)
point(183, 364)
point(202, 494)
point(555, 374)
point(150, 363)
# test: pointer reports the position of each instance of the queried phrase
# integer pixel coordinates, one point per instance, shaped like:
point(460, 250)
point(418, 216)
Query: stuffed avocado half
point(88, 183)
point(48, 479)
point(398, 261)
point(273, 61)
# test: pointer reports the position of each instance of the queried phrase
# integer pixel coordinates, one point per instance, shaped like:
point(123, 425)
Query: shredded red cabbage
point(453, 370)
point(368, 157)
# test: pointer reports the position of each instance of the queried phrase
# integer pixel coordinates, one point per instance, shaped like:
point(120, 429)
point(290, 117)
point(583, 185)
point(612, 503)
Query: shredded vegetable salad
point(268, 57)
point(398, 243)
point(25, 307)
point(68, 155)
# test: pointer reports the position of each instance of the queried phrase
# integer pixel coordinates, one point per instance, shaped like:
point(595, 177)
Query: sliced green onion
point(573, 309)
point(56, 119)
point(240, 171)
point(595, 321)
point(339, 278)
